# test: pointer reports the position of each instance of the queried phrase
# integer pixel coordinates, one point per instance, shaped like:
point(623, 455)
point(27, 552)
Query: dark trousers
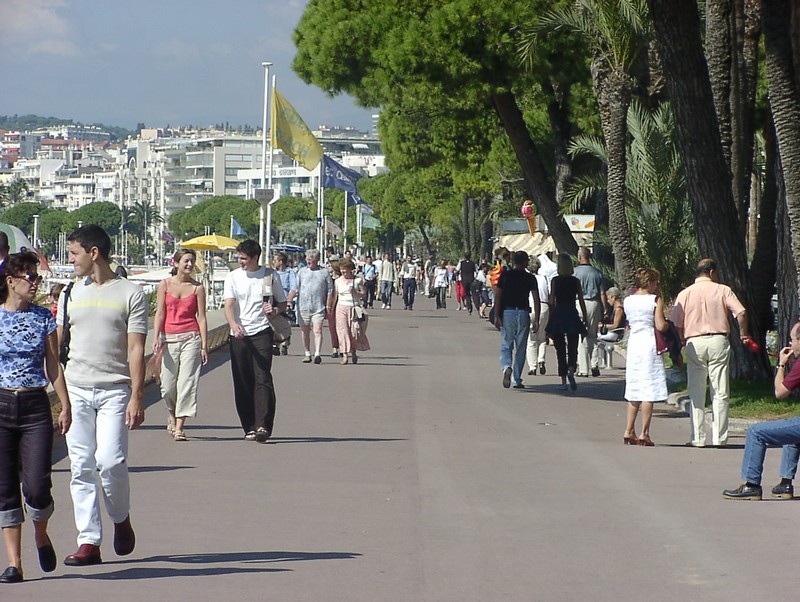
point(470, 296)
point(253, 389)
point(441, 297)
point(26, 443)
point(370, 286)
point(409, 290)
point(566, 351)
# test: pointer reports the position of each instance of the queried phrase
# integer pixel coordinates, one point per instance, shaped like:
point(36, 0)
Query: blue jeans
point(386, 292)
point(409, 290)
point(759, 436)
point(515, 331)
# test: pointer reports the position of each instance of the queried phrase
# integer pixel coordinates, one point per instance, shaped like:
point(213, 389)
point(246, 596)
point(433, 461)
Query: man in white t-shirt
point(247, 305)
point(106, 318)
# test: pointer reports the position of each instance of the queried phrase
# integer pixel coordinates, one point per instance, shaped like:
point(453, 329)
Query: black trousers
point(409, 290)
point(26, 444)
point(370, 285)
point(253, 389)
point(566, 352)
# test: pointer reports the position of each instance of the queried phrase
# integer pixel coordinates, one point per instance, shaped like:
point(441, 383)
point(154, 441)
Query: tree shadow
point(280, 440)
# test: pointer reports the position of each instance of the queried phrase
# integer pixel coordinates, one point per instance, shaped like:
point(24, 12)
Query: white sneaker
point(383, 306)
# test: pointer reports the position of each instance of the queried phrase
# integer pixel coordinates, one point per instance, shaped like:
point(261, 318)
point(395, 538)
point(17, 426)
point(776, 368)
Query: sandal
point(251, 436)
point(179, 436)
point(171, 424)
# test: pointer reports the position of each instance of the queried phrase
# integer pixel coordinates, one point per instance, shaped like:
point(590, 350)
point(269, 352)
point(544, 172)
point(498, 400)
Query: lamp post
point(36, 231)
point(261, 216)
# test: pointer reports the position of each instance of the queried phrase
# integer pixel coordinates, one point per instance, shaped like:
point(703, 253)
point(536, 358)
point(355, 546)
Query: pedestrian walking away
point(248, 303)
point(387, 275)
point(537, 340)
point(28, 361)
point(180, 338)
point(565, 326)
point(465, 271)
point(104, 320)
point(701, 318)
point(785, 433)
point(594, 297)
point(513, 317)
point(645, 376)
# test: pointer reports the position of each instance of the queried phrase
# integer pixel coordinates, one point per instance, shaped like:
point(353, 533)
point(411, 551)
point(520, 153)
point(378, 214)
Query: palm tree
point(139, 218)
point(658, 212)
point(617, 32)
point(14, 193)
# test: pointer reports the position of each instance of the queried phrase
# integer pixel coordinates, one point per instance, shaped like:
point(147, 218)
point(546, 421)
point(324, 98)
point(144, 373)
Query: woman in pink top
point(181, 332)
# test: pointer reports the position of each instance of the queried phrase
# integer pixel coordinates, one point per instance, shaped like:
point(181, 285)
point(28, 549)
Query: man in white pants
point(537, 340)
point(105, 321)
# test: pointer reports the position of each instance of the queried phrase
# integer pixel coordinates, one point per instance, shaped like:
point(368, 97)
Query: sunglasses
point(31, 277)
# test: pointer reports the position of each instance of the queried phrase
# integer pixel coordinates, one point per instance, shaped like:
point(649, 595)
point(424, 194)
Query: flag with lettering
point(291, 134)
point(336, 175)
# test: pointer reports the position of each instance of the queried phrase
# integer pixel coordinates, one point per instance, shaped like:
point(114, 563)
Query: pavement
point(414, 476)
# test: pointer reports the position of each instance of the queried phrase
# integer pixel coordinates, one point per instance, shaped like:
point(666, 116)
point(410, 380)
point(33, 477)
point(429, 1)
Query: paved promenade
point(413, 476)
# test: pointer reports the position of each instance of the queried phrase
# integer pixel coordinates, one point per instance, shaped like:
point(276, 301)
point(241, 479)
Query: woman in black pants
point(28, 360)
point(565, 326)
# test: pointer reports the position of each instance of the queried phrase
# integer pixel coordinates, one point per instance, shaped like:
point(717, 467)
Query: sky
point(159, 62)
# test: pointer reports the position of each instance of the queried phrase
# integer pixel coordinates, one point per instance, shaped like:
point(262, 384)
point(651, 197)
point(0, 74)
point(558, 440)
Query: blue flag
point(236, 229)
point(338, 176)
point(354, 199)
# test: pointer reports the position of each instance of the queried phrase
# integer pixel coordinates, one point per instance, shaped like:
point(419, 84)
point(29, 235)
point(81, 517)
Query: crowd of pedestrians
point(97, 328)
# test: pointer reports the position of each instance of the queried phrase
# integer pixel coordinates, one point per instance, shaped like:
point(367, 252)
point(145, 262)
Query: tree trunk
point(560, 125)
point(466, 231)
point(745, 124)
point(785, 105)
point(426, 241)
point(613, 90)
point(533, 171)
point(487, 230)
point(719, 58)
point(677, 31)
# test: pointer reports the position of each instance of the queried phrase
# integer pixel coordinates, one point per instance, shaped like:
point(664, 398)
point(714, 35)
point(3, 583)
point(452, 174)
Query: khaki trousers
point(708, 357)
point(180, 375)
point(588, 356)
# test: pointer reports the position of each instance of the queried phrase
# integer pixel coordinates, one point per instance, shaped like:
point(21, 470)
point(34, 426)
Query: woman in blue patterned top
point(28, 360)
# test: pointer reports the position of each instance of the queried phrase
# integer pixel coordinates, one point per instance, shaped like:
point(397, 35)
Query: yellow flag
point(291, 134)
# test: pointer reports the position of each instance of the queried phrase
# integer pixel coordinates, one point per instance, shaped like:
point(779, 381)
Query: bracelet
point(781, 366)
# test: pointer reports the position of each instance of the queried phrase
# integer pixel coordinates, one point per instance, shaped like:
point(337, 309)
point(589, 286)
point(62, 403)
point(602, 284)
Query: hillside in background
point(32, 122)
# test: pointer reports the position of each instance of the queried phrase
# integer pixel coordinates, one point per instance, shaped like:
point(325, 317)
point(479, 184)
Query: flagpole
point(344, 234)
point(268, 238)
point(320, 209)
point(266, 66)
point(231, 226)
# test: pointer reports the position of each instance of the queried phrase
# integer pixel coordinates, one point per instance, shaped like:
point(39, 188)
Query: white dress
point(645, 377)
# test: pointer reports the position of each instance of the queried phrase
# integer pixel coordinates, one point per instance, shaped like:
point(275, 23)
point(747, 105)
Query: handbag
point(66, 335)
point(280, 323)
point(359, 315)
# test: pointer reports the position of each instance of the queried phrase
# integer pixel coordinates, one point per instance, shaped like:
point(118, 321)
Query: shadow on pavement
point(330, 440)
point(206, 559)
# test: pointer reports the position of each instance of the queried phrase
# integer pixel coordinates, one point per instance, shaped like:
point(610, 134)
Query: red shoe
point(124, 537)
point(87, 554)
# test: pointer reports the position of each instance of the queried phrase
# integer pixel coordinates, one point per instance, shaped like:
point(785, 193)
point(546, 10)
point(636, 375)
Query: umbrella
point(210, 242)
point(16, 238)
point(17, 241)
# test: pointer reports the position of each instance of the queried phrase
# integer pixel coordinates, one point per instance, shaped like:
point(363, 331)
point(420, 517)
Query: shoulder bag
point(63, 350)
point(280, 323)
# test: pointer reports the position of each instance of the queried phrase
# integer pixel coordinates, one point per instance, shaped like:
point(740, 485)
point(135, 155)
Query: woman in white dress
point(645, 377)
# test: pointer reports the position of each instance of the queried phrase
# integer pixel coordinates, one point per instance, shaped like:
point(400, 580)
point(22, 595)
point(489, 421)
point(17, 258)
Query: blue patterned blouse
point(23, 336)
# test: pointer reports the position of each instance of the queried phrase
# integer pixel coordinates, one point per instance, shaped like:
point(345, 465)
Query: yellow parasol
point(210, 242)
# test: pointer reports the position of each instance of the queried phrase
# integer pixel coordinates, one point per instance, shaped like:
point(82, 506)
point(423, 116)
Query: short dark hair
point(250, 248)
point(284, 257)
point(15, 265)
point(467, 255)
point(91, 236)
point(3, 241)
point(521, 258)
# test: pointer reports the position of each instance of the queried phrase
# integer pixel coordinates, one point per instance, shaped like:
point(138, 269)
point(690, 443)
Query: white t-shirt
point(247, 290)
point(100, 318)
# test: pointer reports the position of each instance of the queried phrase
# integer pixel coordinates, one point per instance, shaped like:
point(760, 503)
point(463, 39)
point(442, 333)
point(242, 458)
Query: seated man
point(777, 432)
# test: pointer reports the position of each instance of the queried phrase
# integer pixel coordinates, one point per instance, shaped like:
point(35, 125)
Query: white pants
point(708, 359)
point(537, 341)
point(98, 451)
point(180, 375)
point(587, 346)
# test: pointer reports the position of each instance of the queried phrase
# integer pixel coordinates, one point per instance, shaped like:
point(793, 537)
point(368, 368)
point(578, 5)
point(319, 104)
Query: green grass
point(754, 399)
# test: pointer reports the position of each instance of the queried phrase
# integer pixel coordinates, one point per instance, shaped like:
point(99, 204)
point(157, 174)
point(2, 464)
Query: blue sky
point(160, 62)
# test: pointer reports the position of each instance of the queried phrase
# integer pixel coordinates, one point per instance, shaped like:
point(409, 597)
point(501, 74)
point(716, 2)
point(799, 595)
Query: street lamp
point(261, 216)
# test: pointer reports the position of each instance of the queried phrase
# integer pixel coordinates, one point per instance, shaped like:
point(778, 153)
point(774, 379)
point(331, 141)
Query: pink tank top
point(181, 314)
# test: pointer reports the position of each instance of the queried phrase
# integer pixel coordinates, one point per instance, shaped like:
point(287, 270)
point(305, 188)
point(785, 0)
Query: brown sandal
point(179, 436)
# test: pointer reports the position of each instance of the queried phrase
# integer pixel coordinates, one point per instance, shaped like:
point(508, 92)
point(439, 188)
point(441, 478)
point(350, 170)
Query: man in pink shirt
point(701, 316)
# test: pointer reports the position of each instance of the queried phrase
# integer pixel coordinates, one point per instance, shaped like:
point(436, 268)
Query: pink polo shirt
point(703, 308)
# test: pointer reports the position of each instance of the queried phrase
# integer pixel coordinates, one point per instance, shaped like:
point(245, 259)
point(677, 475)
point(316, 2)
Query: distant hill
point(33, 122)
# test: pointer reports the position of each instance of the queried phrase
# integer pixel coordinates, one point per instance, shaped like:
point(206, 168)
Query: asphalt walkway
point(414, 476)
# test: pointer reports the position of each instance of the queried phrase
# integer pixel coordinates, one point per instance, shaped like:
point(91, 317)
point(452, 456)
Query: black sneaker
point(317, 359)
point(532, 372)
point(542, 369)
point(743, 492)
point(519, 386)
point(784, 491)
point(595, 371)
point(507, 378)
point(284, 350)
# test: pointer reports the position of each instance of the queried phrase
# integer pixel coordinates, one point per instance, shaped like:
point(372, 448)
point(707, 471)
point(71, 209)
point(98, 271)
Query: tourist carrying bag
point(280, 323)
